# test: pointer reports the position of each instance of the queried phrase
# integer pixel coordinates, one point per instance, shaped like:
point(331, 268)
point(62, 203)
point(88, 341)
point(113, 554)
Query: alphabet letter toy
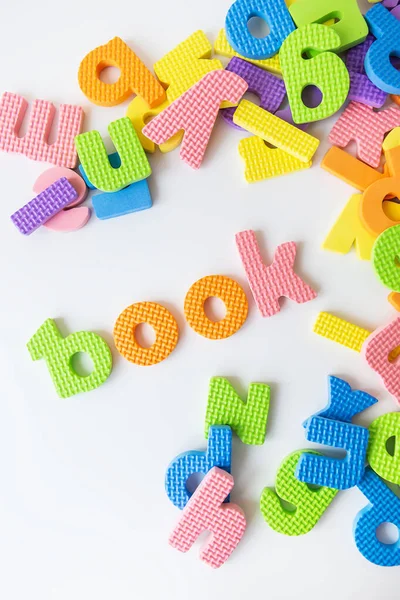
point(326, 71)
point(376, 350)
point(384, 258)
point(205, 511)
point(135, 78)
point(268, 284)
point(195, 112)
point(48, 203)
point(34, 144)
point(381, 430)
point(57, 351)
point(361, 88)
point(383, 507)
point(248, 419)
point(184, 465)
point(386, 28)
point(309, 504)
point(93, 156)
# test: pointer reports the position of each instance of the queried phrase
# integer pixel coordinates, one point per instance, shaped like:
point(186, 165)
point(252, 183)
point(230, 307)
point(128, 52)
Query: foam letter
point(274, 12)
point(376, 350)
point(385, 464)
point(195, 112)
point(231, 294)
point(93, 156)
point(34, 144)
point(385, 256)
point(386, 28)
point(205, 511)
point(247, 419)
point(344, 403)
point(186, 64)
point(135, 78)
point(349, 230)
point(268, 284)
point(160, 319)
point(326, 71)
point(57, 351)
point(384, 507)
point(349, 23)
point(310, 504)
point(184, 465)
point(367, 127)
point(340, 474)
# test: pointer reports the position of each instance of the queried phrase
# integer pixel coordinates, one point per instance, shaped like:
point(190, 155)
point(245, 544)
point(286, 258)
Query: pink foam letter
point(367, 127)
point(205, 511)
point(195, 112)
point(34, 144)
point(376, 350)
point(268, 284)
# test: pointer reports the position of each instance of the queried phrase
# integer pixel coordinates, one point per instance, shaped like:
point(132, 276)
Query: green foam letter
point(326, 71)
point(309, 504)
point(93, 156)
point(349, 23)
point(57, 351)
point(247, 419)
point(385, 253)
point(386, 464)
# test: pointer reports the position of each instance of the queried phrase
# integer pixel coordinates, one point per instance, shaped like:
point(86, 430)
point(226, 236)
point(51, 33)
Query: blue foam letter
point(218, 454)
point(386, 28)
point(274, 12)
point(384, 507)
point(339, 474)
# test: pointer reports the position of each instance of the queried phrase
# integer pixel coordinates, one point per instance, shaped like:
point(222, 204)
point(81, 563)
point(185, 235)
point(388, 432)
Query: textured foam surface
point(48, 203)
point(344, 403)
point(274, 12)
point(34, 144)
point(186, 64)
point(340, 474)
point(384, 258)
point(231, 294)
point(223, 47)
point(140, 113)
point(373, 216)
point(195, 112)
point(386, 28)
point(274, 130)
point(327, 71)
point(350, 169)
point(248, 419)
point(340, 331)
point(94, 159)
point(205, 512)
point(361, 88)
point(131, 199)
point(268, 284)
point(135, 77)
point(218, 454)
point(71, 219)
point(349, 230)
point(114, 161)
point(367, 127)
point(383, 507)
point(350, 27)
point(309, 504)
point(386, 464)
point(160, 319)
point(376, 351)
point(262, 162)
point(270, 89)
point(57, 351)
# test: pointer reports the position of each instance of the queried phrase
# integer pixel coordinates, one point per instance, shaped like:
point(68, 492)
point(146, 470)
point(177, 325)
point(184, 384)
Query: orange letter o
point(234, 298)
point(163, 323)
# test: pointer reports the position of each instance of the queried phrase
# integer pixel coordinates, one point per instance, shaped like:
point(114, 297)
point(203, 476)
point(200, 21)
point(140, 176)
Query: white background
point(83, 512)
